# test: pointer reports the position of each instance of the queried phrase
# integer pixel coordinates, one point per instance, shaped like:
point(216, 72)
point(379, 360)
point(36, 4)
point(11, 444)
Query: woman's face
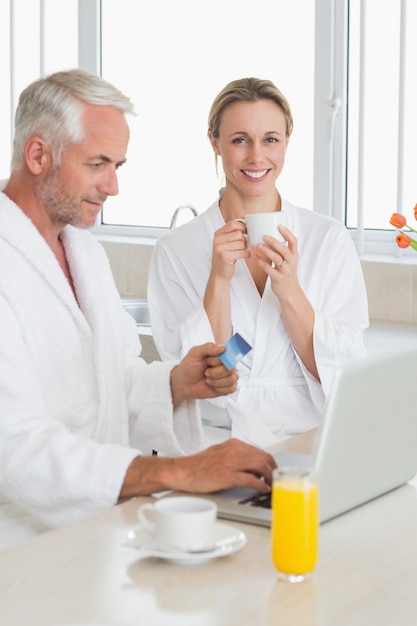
point(252, 143)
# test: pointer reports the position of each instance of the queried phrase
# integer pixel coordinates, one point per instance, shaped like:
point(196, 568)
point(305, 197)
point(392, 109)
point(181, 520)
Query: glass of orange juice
point(295, 522)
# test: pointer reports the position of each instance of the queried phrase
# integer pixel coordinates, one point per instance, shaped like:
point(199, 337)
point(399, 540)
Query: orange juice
point(294, 522)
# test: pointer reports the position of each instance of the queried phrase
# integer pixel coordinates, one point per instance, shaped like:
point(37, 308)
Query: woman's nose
point(255, 152)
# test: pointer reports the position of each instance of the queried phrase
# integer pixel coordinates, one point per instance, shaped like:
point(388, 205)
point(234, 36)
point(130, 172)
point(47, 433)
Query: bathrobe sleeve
point(331, 276)
point(77, 402)
point(154, 424)
point(56, 472)
point(329, 273)
point(177, 281)
point(47, 469)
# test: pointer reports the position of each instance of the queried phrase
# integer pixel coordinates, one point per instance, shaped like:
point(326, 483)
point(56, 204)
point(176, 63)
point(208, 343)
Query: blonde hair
point(248, 90)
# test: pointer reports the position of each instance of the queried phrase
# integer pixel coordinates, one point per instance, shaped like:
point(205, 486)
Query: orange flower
point(403, 241)
point(397, 220)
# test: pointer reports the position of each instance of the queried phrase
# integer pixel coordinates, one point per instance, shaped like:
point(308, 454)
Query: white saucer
point(227, 541)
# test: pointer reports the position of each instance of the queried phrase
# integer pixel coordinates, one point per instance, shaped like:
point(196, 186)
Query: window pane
point(5, 111)
point(381, 112)
point(172, 58)
point(30, 59)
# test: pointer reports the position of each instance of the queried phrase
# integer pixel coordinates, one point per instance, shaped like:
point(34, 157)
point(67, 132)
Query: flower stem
point(413, 229)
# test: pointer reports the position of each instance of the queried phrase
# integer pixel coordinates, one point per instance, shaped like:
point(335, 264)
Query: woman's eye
point(271, 140)
point(239, 140)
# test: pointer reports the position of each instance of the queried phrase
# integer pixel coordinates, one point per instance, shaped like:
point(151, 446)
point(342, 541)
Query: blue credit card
point(236, 348)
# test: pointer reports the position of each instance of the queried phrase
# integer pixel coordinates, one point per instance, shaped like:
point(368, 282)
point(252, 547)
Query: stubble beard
point(61, 208)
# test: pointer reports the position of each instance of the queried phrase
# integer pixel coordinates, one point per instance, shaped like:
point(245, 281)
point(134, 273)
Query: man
point(80, 411)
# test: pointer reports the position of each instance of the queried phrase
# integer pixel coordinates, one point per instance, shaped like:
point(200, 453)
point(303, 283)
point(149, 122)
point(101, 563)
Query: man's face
point(73, 192)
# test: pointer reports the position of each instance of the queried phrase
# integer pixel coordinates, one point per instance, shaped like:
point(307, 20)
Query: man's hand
point(201, 374)
point(229, 464)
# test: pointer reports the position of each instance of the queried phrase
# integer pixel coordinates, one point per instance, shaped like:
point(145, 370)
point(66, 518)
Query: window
point(382, 125)
point(172, 58)
point(348, 68)
point(32, 42)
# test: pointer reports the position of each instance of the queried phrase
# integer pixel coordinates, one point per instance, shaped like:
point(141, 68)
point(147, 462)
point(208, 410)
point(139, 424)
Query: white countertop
point(382, 336)
point(86, 575)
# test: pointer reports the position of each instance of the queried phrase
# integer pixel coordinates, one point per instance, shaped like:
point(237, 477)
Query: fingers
point(254, 465)
point(275, 258)
point(210, 351)
point(231, 238)
point(246, 479)
point(229, 464)
point(222, 379)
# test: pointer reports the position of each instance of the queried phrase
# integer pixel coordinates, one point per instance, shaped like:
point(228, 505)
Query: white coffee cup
point(260, 224)
point(183, 523)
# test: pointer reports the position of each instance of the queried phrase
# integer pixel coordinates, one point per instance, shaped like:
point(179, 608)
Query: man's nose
point(110, 183)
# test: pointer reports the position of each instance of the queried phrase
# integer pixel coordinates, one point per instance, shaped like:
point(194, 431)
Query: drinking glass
point(295, 522)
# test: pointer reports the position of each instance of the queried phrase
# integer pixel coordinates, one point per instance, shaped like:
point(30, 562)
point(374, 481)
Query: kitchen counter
point(383, 336)
point(87, 574)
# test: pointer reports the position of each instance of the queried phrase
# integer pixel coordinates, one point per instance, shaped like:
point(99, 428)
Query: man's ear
point(213, 142)
point(37, 155)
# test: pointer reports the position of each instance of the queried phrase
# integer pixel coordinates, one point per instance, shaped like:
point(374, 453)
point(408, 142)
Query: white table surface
point(84, 574)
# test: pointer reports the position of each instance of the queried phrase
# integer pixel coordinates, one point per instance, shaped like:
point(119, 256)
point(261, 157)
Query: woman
point(301, 304)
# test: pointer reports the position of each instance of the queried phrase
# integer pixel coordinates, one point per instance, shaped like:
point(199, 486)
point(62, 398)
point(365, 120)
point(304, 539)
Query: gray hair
point(51, 107)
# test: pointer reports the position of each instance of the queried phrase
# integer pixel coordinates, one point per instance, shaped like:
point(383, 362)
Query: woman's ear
point(213, 142)
point(37, 155)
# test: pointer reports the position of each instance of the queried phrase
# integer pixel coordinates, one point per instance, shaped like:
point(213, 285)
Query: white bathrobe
point(76, 402)
point(276, 390)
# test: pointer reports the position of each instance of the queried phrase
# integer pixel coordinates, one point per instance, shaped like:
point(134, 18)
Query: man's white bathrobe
point(276, 390)
point(76, 402)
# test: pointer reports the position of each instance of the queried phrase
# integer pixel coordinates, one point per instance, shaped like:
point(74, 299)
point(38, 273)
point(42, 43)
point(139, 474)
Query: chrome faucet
point(178, 210)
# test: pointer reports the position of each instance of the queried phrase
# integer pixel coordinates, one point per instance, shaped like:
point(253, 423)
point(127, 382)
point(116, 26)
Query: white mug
point(260, 224)
point(183, 523)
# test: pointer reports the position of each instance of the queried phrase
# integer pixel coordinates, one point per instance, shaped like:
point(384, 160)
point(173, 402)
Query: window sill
point(126, 239)
point(393, 259)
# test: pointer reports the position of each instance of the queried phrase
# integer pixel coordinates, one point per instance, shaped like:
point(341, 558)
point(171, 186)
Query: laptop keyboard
point(259, 499)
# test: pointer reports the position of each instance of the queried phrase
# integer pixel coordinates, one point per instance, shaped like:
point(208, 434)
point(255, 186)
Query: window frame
point(330, 100)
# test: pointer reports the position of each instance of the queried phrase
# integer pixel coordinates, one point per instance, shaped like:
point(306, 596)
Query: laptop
point(368, 443)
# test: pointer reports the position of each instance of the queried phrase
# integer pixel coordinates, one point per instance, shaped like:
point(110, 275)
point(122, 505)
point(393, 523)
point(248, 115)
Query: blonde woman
point(301, 304)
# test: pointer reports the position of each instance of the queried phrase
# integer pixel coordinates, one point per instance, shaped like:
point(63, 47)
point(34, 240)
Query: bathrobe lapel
point(23, 236)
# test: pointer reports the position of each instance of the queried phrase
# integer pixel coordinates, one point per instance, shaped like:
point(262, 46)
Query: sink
point(138, 309)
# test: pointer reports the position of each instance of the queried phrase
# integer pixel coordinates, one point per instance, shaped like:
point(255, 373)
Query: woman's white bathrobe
point(276, 390)
point(76, 402)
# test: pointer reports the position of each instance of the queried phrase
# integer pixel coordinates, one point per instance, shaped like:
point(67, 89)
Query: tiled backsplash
point(392, 289)
point(391, 283)
point(129, 263)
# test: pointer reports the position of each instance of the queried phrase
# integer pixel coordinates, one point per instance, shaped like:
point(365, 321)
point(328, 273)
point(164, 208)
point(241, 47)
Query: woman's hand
point(279, 260)
point(230, 243)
